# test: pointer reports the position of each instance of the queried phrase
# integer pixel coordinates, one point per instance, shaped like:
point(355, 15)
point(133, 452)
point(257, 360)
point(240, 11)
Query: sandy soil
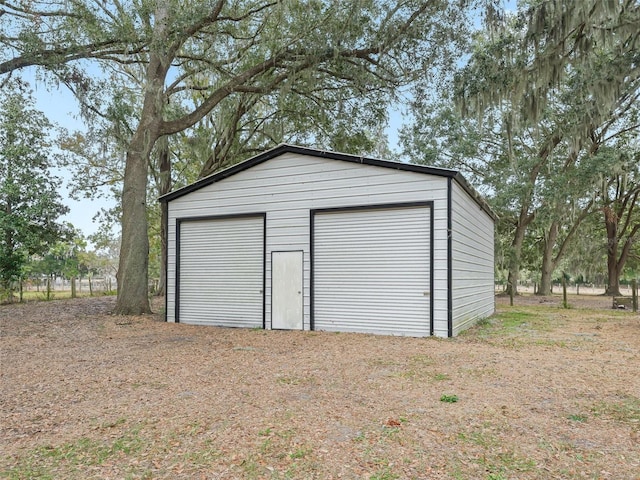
point(542, 392)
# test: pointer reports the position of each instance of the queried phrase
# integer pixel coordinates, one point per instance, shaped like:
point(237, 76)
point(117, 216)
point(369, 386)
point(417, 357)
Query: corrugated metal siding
point(473, 261)
point(371, 271)
point(221, 272)
point(288, 186)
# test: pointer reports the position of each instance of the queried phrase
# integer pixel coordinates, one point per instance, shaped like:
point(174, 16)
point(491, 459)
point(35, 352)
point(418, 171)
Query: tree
point(503, 158)
point(39, 33)
point(557, 37)
point(220, 50)
point(70, 255)
point(619, 200)
point(561, 73)
point(275, 45)
point(29, 200)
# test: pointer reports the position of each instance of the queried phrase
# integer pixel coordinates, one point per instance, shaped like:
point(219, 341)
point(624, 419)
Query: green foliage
point(29, 200)
point(448, 398)
point(577, 417)
point(545, 42)
point(66, 258)
point(538, 140)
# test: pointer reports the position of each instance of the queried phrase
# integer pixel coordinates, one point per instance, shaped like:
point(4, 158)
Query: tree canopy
point(204, 56)
point(545, 92)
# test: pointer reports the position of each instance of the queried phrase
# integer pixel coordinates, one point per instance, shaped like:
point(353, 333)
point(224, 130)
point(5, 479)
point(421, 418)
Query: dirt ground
point(538, 392)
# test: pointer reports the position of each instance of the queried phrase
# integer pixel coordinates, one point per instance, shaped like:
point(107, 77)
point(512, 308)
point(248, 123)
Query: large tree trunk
point(524, 220)
point(164, 227)
point(514, 259)
point(525, 217)
point(133, 275)
point(133, 267)
point(548, 262)
point(617, 259)
point(613, 272)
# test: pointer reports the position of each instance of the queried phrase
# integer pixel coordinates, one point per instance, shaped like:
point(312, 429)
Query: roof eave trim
point(227, 172)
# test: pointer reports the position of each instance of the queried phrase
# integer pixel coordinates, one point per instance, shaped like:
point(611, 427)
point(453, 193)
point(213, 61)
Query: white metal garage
point(297, 238)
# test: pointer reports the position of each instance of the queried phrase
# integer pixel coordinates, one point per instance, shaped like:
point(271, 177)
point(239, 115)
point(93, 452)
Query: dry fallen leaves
point(88, 395)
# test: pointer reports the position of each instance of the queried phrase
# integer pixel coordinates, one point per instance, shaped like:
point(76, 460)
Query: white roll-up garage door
point(221, 265)
point(371, 270)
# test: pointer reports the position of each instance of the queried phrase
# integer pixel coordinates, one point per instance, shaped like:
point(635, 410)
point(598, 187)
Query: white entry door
point(286, 290)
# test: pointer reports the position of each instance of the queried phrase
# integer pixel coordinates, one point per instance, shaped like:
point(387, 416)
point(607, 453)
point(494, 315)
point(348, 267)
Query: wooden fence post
point(634, 294)
point(564, 291)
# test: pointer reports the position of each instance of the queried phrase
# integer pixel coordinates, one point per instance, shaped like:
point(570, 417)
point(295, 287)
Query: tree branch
point(65, 55)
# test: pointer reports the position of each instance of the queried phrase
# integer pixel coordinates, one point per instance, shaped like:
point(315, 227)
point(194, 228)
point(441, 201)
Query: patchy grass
point(384, 474)
point(516, 320)
point(51, 461)
point(498, 457)
point(481, 436)
point(31, 295)
point(295, 380)
point(625, 409)
point(449, 398)
point(525, 326)
point(577, 417)
point(506, 464)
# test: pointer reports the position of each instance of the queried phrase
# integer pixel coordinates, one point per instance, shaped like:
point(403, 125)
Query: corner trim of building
point(449, 261)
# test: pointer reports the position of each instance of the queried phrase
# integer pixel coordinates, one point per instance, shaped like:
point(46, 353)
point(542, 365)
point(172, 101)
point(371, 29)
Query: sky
point(61, 108)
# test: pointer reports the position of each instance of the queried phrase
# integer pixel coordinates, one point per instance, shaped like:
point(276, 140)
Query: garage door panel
point(372, 270)
point(221, 272)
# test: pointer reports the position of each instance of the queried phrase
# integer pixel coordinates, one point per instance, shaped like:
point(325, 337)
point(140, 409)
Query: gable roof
point(286, 148)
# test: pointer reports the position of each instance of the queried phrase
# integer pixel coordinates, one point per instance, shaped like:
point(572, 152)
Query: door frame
point(301, 252)
point(379, 206)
